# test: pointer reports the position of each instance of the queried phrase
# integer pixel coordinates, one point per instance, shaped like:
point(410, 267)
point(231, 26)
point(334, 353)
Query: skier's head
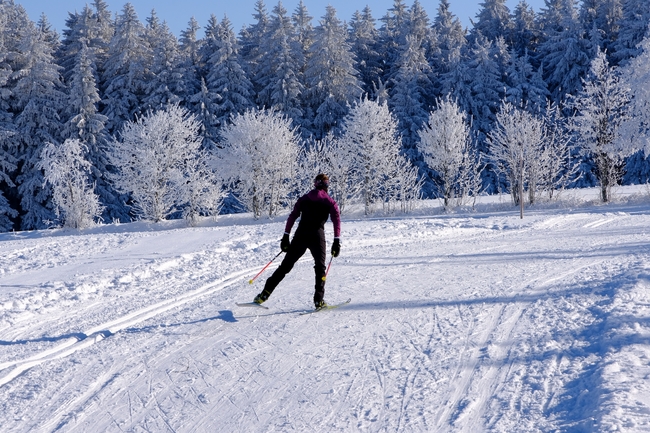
point(322, 181)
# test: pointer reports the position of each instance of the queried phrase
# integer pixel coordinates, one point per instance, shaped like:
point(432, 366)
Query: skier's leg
point(296, 250)
point(317, 248)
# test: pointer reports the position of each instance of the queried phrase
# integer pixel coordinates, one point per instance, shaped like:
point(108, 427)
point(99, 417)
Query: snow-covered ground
point(463, 322)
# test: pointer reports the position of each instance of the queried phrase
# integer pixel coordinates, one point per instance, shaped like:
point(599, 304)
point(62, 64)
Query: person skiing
point(313, 208)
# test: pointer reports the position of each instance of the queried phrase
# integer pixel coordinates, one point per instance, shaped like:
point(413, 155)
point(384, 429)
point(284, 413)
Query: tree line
point(540, 101)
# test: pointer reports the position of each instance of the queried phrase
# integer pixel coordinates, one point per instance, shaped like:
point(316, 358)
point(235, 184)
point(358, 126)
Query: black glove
point(285, 242)
point(336, 248)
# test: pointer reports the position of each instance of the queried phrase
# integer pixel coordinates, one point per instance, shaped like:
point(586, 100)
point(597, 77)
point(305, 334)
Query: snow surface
point(461, 322)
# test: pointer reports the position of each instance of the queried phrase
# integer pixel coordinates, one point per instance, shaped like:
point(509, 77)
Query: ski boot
point(259, 299)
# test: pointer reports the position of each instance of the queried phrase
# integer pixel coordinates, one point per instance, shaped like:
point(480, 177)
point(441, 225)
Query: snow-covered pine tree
point(260, 160)
point(77, 28)
point(201, 104)
point(408, 97)
point(486, 64)
point(370, 135)
point(101, 32)
point(604, 15)
point(39, 99)
point(633, 27)
point(67, 170)
point(332, 80)
point(525, 29)
point(445, 144)
point(281, 88)
point(85, 123)
point(227, 82)
point(125, 72)
point(83, 120)
point(155, 157)
point(601, 108)
point(250, 40)
point(365, 46)
point(419, 26)
point(525, 87)
point(166, 85)
point(304, 35)
point(190, 62)
point(208, 45)
point(451, 39)
point(635, 131)
point(8, 155)
point(493, 21)
point(564, 50)
point(392, 38)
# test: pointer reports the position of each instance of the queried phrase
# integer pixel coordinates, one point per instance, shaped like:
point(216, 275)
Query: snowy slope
point(461, 322)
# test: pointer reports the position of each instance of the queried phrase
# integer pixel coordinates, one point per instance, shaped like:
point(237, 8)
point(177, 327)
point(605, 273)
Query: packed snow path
point(466, 323)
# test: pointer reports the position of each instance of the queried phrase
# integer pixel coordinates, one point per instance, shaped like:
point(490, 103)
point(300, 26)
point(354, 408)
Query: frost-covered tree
point(203, 193)
point(445, 144)
point(601, 108)
point(67, 171)
point(259, 157)
point(126, 73)
point(155, 158)
point(331, 77)
point(517, 151)
point(382, 173)
point(559, 167)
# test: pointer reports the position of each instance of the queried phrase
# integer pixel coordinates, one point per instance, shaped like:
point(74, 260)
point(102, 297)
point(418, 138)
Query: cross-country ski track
point(461, 322)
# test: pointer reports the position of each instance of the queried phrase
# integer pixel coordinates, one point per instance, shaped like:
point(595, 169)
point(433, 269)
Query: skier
point(313, 209)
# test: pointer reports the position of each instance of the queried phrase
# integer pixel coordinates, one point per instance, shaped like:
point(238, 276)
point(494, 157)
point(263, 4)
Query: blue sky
point(178, 13)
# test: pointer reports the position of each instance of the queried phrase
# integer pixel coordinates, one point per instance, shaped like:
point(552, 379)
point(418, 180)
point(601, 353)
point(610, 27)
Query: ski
point(251, 304)
point(329, 307)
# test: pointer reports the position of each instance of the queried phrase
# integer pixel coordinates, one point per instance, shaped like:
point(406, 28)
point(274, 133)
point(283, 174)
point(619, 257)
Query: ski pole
point(328, 269)
point(264, 268)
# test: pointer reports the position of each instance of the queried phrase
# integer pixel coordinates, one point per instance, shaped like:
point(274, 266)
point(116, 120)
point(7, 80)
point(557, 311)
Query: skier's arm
point(335, 215)
point(293, 216)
